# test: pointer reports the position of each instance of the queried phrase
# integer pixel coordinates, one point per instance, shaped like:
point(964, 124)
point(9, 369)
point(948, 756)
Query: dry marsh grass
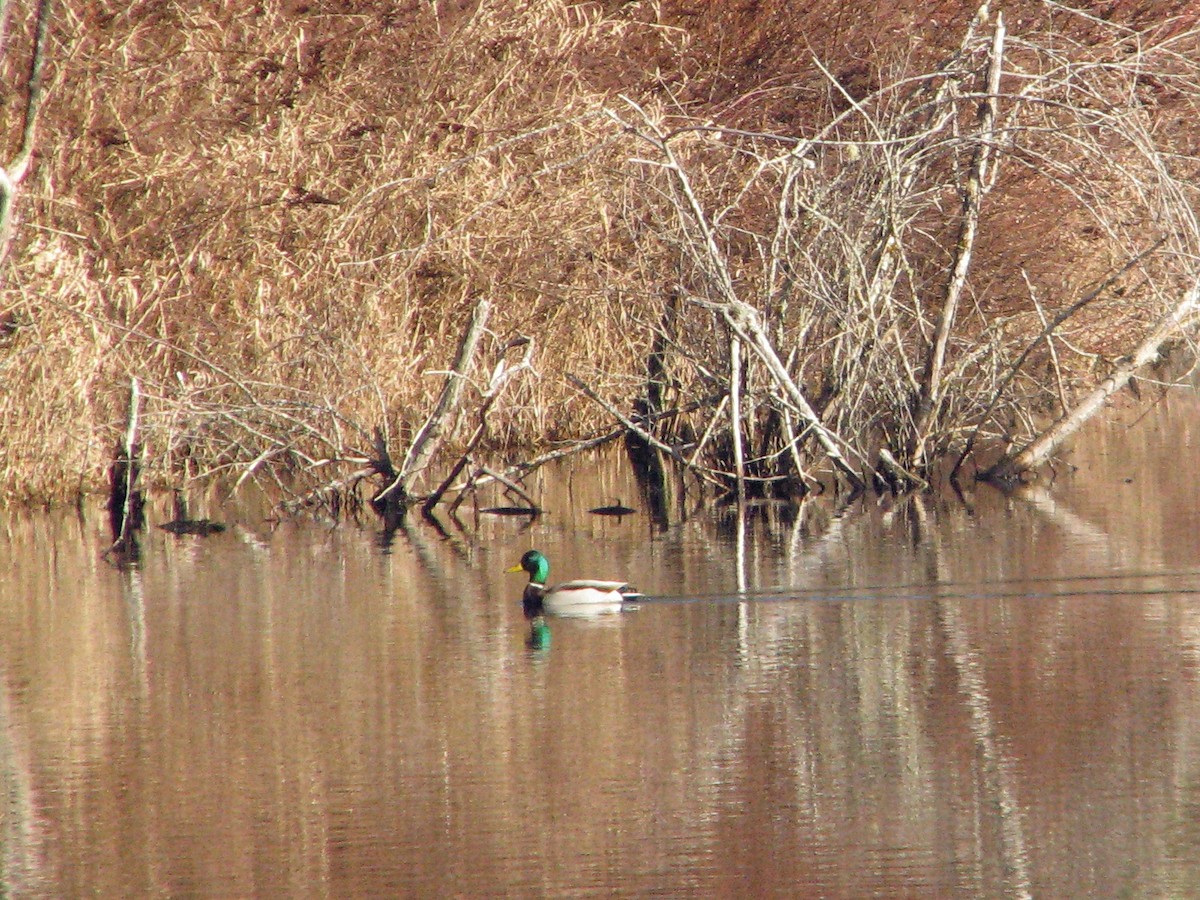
point(279, 219)
point(279, 216)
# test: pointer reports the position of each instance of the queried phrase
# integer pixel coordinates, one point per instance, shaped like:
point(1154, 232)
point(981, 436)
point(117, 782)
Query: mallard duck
point(579, 597)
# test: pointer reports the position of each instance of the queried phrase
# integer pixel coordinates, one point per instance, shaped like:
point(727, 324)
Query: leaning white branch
point(1172, 325)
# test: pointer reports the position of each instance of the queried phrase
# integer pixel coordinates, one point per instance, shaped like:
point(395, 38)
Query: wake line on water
point(1074, 586)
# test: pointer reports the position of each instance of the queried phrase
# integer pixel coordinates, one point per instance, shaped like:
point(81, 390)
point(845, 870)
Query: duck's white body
point(571, 595)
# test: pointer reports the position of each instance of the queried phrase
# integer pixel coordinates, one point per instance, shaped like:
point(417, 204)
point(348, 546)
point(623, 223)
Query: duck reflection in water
point(539, 634)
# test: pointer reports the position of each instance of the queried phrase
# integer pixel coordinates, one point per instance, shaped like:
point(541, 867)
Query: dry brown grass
point(279, 218)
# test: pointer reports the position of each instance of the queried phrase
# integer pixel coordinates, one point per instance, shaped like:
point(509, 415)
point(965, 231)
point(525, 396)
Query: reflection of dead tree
point(1097, 549)
point(997, 766)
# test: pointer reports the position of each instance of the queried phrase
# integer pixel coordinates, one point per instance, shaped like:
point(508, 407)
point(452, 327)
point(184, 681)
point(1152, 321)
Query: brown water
point(925, 698)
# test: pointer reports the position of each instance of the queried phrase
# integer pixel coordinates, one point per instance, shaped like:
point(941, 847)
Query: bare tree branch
point(14, 171)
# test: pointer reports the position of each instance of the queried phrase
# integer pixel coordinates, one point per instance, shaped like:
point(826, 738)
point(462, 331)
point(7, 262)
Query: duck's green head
point(535, 564)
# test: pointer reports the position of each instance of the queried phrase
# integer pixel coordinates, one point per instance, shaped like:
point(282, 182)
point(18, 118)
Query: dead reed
point(279, 219)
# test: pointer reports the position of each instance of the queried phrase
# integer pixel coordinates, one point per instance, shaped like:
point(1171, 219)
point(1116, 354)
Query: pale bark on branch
point(973, 194)
point(1172, 325)
point(745, 320)
point(429, 439)
point(14, 171)
point(130, 452)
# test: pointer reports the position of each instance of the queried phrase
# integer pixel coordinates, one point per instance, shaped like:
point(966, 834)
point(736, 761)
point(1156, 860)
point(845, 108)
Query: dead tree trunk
point(735, 416)
point(124, 497)
point(1044, 336)
point(433, 432)
point(647, 460)
point(973, 193)
point(14, 172)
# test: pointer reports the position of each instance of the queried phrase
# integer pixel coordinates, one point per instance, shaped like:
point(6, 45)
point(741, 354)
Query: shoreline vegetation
point(354, 255)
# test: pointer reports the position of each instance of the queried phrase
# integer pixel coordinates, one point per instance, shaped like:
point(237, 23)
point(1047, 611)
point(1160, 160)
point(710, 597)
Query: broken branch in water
point(1176, 322)
point(512, 486)
point(502, 374)
point(433, 432)
point(630, 426)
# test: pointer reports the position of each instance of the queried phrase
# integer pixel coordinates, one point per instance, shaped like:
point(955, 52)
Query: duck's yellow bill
point(516, 568)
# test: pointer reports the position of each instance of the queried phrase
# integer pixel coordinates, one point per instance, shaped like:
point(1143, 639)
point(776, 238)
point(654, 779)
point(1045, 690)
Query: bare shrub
point(879, 250)
point(280, 218)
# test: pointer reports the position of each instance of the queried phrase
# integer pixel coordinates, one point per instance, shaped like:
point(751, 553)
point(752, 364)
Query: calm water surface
point(918, 698)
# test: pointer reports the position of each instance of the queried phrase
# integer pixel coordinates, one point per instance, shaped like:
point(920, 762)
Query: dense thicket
point(280, 216)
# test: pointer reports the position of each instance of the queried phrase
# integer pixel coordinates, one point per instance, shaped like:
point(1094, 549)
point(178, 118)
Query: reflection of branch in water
point(997, 767)
point(743, 611)
point(1086, 537)
point(23, 827)
point(428, 562)
point(135, 602)
point(803, 553)
point(740, 548)
point(807, 553)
